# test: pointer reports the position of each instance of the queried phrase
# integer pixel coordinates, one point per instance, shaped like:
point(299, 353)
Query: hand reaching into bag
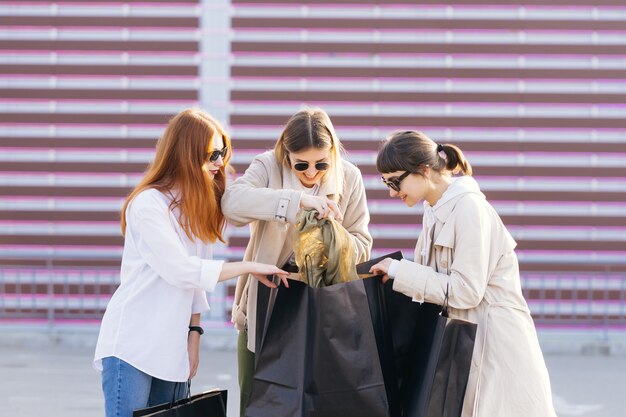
point(382, 268)
point(262, 271)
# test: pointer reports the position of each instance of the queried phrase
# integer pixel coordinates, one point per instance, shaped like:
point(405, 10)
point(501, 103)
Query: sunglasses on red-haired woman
point(213, 156)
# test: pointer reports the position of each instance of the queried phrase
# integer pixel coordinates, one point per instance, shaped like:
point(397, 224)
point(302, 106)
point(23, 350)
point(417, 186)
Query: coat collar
point(440, 212)
point(459, 187)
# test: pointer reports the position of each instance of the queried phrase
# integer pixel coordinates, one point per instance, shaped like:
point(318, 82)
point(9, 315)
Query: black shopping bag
point(425, 355)
point(438, 377)
point(316, 354)
point(395, 319)
point(207, 404)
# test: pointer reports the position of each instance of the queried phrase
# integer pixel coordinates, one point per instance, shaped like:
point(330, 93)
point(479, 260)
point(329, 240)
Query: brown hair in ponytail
point(412, 151)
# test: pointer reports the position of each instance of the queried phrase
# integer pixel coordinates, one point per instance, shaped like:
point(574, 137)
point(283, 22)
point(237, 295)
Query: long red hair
point(177, 169)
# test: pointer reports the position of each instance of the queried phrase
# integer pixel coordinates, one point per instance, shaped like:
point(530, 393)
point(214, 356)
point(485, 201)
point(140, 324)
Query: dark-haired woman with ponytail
point(465, 249)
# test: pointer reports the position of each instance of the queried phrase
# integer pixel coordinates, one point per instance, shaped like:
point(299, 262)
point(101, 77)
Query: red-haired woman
point(150, 335)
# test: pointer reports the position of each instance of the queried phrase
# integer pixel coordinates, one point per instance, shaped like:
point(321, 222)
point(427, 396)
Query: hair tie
point(440, 152)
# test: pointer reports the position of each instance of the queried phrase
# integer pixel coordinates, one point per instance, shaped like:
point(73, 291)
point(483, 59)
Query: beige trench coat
point(472, 251)
point(266, 198)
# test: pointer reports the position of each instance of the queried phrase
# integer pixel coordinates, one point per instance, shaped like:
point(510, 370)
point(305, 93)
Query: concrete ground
point(56, 380)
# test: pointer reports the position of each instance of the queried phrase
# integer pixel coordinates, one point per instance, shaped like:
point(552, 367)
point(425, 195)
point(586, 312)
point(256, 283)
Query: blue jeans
point(126, 388)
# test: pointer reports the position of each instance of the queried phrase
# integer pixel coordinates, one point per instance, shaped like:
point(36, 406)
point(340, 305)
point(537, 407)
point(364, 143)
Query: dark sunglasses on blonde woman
point(303, 166)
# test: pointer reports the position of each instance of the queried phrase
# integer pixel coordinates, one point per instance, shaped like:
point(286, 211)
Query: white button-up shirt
point(164, 277)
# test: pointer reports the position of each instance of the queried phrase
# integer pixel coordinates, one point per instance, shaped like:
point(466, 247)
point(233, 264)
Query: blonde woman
point(150, 334)
point(305, 170)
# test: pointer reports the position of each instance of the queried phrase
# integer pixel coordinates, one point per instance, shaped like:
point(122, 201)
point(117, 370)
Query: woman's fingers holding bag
point(284, 280)
point(265, 280)
point(263, 273)
point(382, 268)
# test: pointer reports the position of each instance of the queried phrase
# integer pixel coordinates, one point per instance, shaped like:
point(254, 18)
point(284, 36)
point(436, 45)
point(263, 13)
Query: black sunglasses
point(213, 156)
point(394, 182)
point(303, 166)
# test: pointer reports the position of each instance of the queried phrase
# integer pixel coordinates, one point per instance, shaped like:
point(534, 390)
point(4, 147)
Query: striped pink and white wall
point(533, 91)
point(86, 88)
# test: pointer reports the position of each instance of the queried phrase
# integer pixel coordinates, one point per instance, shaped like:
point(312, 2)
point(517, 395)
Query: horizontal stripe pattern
point(379, 3)
point(75, 75)
point(533, 92)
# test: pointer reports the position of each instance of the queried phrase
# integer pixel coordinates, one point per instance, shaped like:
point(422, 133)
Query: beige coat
point(465, 244)
point(265, 197)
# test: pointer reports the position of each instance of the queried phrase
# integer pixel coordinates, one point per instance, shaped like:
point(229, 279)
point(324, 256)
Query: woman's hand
point(261, 271)
point(382, 268)
point(324, 206)
point(193, 350)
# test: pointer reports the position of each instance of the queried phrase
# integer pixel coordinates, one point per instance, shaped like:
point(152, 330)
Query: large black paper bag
point(317, 355)
point(437, 381)
point(425, 355)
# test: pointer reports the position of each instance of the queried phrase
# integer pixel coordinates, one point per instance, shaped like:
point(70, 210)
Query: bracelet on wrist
point(196, 329)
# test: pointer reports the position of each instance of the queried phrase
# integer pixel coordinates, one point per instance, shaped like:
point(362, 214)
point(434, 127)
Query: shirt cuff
point(393, 269)
point(294, 206)
point(410, 280)
point(288, 206)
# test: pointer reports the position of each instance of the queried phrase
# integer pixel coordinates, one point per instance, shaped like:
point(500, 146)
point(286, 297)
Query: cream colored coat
point(468, 247)
point(266, 198)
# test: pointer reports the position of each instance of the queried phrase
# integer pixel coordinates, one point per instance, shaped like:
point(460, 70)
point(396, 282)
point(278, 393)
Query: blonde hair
point(178, 165)
point(312, 128)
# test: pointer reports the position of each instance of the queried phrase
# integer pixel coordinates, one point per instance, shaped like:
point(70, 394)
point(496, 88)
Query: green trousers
point(245, 366)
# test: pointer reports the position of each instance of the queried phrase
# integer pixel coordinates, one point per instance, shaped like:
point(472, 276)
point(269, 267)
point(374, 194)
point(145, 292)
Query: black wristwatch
point(196, 329)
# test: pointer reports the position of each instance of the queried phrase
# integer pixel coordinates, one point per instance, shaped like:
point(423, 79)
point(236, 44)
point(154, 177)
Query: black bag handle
point(308, 267)
point(177, 386)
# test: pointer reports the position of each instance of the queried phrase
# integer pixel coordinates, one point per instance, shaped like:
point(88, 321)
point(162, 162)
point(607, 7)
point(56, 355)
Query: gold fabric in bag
point(324, 250)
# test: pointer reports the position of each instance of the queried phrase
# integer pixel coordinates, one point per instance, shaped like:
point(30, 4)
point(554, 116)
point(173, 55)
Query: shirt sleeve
point(200, 304)
point(161, 248)
point(467, 281)
point(250, 198)
point(393, 269)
